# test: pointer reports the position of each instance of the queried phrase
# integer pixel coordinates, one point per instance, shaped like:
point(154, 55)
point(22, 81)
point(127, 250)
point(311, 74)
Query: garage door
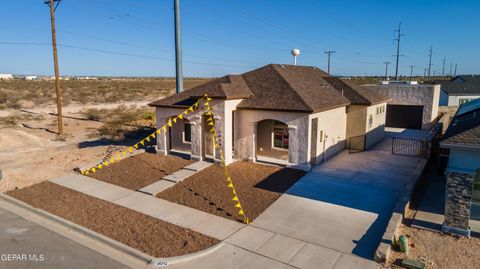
point(403, 116)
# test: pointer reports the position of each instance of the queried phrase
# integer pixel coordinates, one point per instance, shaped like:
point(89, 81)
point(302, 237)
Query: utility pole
point(411, 71)
point(330, 52)
point(178, 47)
point(430, 52)
point(386, 69)
point(425, 70)
point(53, 7)
point(450, 73)
point(455, 73)
point(398, 48)
point(443, 67)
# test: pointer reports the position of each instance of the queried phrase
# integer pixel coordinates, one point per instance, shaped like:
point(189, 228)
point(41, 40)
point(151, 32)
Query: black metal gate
point(411, 147)
point(356, 144)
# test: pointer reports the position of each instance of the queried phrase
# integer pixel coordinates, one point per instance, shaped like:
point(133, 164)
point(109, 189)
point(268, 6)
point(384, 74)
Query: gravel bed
point(140, 170)
point(147, 234)
point(257, 186)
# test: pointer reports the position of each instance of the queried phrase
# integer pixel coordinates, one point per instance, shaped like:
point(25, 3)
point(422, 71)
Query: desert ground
point(99, 116)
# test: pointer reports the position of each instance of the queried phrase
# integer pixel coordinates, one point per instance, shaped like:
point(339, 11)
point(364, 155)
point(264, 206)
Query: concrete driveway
point(345, 203)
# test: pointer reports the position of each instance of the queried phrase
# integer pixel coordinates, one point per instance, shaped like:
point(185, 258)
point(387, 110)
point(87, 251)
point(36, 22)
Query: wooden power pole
point(53, 7)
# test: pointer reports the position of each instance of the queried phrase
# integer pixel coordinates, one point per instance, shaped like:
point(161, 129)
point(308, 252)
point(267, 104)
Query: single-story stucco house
point(292, 115)
point(462, 196)
point(411, 106)
point(459, 90)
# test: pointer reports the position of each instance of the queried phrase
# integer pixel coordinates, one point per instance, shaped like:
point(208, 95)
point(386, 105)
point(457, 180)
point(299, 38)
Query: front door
point(208, 141)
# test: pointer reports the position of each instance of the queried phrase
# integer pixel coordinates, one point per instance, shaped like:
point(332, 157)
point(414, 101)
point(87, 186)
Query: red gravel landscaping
point(140, 170)
point(147, 234)
point(257, 186)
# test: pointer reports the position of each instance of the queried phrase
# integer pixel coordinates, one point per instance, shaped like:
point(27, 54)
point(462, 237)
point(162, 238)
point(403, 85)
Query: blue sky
point(135, 38)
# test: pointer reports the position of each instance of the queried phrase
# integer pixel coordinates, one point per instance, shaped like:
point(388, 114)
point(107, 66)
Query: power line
point(178, 48)
point(411, 70)
point(329, 52)
point(443, 67)
point(398, 49)
point(120, 53)
point(53, 4)
point(386, 69)
point(430, 52)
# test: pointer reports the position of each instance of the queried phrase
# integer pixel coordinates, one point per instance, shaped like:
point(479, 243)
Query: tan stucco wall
point(356, 120)
point(332, 124)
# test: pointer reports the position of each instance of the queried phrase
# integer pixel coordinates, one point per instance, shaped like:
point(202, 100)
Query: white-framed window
point(280, 136)
point(187, 133)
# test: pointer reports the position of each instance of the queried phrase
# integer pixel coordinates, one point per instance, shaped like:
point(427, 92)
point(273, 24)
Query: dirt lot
point(29, 94)
point(29, 149)
point(147, 234)
point(257, 186)
point(140, 170)
point(438, 250)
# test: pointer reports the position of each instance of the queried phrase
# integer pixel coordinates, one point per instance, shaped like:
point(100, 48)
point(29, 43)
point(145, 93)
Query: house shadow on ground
point(130, 138)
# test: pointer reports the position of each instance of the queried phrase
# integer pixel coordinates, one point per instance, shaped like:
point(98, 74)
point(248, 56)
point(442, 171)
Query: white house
point(460, 90)
point(462, 195)
point(6, 76)
point(284, 114)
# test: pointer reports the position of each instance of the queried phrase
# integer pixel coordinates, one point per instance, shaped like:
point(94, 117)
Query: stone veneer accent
point(458, 200)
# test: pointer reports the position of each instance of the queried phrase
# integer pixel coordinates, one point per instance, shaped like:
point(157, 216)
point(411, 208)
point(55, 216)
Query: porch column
point(219, 127)
point(197, 141)
point(162, 138)
point(458, 201)
point(253, 156)
point(298, 147)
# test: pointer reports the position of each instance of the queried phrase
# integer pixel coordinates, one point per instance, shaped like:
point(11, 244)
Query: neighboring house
point(411, 106)
point(6, 76)
point(462, 196)
point(284, 114)
point(459, 90)
point(31, 78)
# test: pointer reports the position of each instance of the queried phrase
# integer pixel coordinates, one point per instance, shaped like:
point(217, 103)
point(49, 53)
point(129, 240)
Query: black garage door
point(403, 116)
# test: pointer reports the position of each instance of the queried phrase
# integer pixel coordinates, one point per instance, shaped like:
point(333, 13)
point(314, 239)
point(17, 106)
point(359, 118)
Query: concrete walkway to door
point(345, 203)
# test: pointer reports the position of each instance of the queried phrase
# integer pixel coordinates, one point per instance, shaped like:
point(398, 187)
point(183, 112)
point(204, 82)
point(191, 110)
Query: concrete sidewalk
point(207, 224)
point(345, 203)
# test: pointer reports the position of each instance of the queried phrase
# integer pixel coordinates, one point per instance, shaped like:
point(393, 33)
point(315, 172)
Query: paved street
point(20, 236)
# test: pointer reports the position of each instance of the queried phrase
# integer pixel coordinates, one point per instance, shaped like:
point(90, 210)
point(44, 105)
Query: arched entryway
point(180, 136)
point(272, 141)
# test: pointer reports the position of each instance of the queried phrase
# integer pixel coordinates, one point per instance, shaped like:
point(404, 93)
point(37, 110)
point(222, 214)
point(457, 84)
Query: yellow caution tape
point(141, 142)
point(230, 185)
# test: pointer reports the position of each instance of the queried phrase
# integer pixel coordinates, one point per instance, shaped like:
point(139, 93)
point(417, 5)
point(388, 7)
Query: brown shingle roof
point(283, 88)
point(469, 137)
point(227, 87)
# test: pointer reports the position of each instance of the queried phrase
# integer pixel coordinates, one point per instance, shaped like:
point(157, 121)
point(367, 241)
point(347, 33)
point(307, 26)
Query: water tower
point(295, 53)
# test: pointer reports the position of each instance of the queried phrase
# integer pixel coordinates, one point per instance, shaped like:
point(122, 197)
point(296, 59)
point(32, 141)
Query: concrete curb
point(147, 259)
point(383, 250)
point(187, 257)
point(94, 235)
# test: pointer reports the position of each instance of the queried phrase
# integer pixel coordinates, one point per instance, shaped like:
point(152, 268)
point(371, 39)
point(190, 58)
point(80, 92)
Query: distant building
point(411, 106)
point(6, 76)
point(459, 90)
point(31, 78)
